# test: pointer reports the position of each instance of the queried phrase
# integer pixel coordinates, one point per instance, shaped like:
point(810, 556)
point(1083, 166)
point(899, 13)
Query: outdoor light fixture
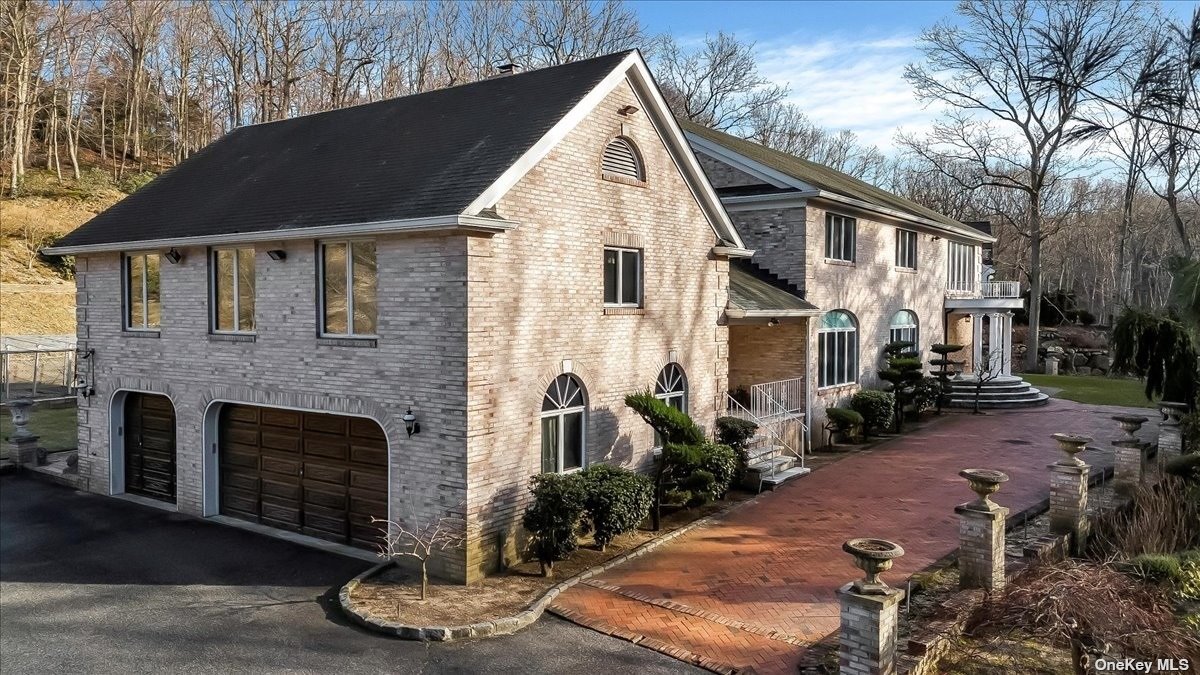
point(173, 256)
point(277, 254)
point(628, 110)
point(773, 322)
point(411, 425)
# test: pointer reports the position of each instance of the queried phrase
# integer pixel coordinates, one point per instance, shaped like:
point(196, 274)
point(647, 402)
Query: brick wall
point(760, 353)
point(536, 303)
point(419, 360)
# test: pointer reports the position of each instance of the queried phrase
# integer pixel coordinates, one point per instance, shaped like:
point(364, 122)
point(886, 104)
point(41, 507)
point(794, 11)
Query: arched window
point(563, 408)
point(671, 387)
point(837, 349)
point(903, 328)
point(621, 159)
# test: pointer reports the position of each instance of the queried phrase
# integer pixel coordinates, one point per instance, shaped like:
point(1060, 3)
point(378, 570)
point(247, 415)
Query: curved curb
point(508, 624)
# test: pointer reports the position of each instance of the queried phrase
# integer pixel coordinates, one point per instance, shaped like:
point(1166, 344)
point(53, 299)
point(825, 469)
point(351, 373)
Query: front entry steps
point(1002, 392)
point(767, 466)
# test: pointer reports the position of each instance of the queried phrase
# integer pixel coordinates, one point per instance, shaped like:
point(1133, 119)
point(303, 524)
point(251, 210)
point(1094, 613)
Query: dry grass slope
point(35, 298)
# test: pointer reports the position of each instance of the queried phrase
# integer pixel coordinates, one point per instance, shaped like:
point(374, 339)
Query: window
point(142, 307)
point(232, 271)
point(837, 349)
point(621, 160)
point(961, 270)
point(562, 425)
point(840, 233)
point(906, 249)
point(348, 279)
point(903, 328)
point(671, 388)
point(622, 277)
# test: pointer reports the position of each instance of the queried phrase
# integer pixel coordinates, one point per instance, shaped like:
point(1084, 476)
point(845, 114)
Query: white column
point(1006, 363)
point(995, 342)
point(976, 340)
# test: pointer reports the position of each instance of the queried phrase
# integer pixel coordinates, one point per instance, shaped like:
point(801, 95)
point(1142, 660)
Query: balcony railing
point(1001, 289)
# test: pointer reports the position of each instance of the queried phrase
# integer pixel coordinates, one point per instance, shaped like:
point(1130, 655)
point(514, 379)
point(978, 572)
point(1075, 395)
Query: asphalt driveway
point(94, 584)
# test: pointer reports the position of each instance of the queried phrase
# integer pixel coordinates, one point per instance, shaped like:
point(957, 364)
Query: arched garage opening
point(142, 453)
point(319, 474)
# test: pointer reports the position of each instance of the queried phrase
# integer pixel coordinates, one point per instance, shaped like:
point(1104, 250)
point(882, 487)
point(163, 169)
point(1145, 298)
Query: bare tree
point(563, 31)
point(785, 127)
point(718, 84)
point(19, 27)
point(1005, 118)
point(420, 540)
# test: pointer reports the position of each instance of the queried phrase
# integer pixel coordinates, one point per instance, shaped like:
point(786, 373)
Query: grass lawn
point(1094, 389)
point(55, 426)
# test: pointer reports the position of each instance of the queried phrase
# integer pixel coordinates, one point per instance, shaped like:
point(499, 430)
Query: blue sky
point(844, 61)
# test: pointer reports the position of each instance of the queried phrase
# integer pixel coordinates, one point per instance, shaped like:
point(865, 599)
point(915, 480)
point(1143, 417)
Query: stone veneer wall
point(419, 360)
point(536, 310)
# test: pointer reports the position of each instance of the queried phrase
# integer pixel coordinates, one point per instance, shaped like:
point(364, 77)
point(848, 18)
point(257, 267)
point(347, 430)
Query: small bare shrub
point(415, 539)
point(1161, 518)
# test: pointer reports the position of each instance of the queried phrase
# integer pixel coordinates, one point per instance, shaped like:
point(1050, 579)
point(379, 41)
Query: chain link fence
point(36, 366)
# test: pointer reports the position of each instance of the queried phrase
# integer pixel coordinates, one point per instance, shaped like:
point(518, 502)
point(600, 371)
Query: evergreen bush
point(616, 500)
point(844, 421)
point(876, 408)
point(552, 520)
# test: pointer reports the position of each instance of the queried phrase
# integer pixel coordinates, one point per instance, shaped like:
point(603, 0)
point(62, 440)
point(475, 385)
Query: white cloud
point(849, 83)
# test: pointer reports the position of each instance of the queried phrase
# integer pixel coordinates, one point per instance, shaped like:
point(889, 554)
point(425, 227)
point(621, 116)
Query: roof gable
point(783, 170)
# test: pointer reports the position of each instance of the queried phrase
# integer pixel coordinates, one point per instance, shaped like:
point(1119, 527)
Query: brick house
point(880, 268)
point(491, 267)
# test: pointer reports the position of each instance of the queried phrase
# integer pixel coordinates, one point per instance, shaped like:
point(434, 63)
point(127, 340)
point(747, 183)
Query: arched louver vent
point(620, 159)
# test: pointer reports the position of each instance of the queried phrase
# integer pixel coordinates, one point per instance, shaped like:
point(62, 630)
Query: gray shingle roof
point(417, 156)
point(751, 294)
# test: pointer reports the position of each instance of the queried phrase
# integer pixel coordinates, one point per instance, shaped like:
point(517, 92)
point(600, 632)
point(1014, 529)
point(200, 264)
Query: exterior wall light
point(173, 256)
point(628, 110)
point(411, 425)
point(277, 254)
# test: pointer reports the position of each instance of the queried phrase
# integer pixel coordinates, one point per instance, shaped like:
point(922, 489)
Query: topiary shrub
point(843, 421)
point(722, 462)
point(735, 432)
point(616, 500)
point(1186, 467)
point(876, 409)
point(552, 520)
point(673, 425)
point(926, 393)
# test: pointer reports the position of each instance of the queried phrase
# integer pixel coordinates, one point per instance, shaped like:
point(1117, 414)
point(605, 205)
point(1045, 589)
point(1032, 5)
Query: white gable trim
point(632, 68)
point(758, 170)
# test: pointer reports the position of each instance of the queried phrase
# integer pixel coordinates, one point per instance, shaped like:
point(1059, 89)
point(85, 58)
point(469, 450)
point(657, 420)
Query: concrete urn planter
point(1072, 445)
point(1172, 412)
point(20, 416)
point(1130, 424)
point(984, 483)
point(872, 556)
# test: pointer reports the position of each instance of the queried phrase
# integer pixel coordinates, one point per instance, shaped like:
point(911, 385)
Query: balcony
point(1001, 289)
point(985, 295)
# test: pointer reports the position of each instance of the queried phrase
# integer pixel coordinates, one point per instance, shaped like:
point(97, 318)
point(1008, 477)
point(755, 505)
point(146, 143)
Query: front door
point(150, 446)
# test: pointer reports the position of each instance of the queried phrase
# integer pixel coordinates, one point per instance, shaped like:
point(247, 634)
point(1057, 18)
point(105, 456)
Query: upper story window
point(837, 349)
point(840, 237)
point(622, 277)
point(906, 249)
point(348, 280)
point(903, 328)
point(232, 272)
point(563, 407)
point(141, 288)
point(962, 267)
point(622, 161)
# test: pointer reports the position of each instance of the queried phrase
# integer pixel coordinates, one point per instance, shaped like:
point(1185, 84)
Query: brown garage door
point(150, 446)
point(323, 475)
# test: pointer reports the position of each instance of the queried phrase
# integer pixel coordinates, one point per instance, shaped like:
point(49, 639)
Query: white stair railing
point(771, 424)
point(782, 397)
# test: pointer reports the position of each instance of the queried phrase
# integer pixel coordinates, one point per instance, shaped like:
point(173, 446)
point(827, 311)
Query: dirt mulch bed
point(394, 595)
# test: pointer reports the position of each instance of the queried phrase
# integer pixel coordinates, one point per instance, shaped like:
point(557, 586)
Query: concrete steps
point(1007, 392)
point(767, 467)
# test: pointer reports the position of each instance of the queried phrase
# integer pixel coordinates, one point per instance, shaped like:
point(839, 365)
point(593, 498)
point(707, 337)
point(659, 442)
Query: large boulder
point(1101, 362)
point(1079, 360)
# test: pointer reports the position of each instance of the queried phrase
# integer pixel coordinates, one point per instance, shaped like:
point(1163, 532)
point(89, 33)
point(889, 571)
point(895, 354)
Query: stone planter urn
point(1172, 412)
point(872, 556)
point(985, 483)
point(20, 415)
point(1130, 424)
point(1072, 444)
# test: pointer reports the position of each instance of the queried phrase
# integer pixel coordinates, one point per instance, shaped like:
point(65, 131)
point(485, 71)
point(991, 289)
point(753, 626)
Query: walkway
point(752, 589)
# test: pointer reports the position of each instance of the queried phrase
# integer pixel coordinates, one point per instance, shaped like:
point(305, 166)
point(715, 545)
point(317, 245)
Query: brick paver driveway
point(750, 590)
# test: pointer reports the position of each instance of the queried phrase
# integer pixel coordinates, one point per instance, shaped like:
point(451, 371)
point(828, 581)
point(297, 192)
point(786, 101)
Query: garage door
point(150, 446)
point(322, 475)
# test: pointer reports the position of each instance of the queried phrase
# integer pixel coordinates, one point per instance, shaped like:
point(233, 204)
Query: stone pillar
point(1068, 491)
point(22, 443)
point(995, 343)
point(976, 339)
point(1006, 354)
point(869, 611)
point(1051, 364)
point(1170, 435)
point(981, 533)
point(1129, 463)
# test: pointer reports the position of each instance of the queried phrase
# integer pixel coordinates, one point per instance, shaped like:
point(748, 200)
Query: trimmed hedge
point(735, 432)
point(616, 500)
point(875, 407)
point(844, 420)
point(552, 520)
